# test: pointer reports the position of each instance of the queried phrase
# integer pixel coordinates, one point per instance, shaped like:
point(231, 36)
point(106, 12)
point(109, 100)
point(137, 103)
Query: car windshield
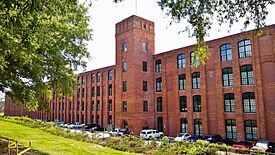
point(262, 144)
point(143, 132)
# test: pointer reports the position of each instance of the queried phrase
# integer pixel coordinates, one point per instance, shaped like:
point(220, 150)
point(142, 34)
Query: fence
point(19, 149)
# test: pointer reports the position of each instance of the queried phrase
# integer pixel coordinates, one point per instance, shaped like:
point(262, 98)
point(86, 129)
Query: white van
point(150, 133)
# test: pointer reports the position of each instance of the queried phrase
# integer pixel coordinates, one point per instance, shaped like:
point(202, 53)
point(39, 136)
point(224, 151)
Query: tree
point(41, 43)
point(199, 14)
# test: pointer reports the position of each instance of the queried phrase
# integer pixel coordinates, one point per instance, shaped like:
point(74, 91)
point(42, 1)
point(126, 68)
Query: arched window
point(197, 103)
point(182, 82)
point(231, 129)
point(249, 102)
point(251, 130)
point(229, 102)
point(226, 52)
point(247, 77)
point(196, 80)
point(244, 47)
point(197, 127)
point(181, 61)
point(227, 76)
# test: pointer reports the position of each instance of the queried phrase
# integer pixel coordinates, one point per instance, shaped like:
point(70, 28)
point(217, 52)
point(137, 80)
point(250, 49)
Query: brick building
point(233, 94)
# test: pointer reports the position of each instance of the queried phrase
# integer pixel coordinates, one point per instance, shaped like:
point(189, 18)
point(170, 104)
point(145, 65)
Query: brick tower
point(135, 47)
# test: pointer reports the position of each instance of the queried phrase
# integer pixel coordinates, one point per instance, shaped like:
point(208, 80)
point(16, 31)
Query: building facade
point(232, 94)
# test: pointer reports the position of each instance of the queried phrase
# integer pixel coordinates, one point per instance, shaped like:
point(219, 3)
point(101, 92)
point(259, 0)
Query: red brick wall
point(134, 31)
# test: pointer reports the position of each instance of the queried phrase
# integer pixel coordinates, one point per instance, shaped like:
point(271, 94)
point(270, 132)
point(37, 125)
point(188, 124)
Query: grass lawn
point(51, 144)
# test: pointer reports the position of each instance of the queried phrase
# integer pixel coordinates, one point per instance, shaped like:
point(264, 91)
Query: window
point(124, 46)
point(158, 66)
point(82, 119)
point(251, 130)
point(158, 84)
point(93, 91)
point(183, 104)
point(160, 124)
point(249, 103)
point(124, 106)
point(247, 77)
point(110, 90)
point(98, 77)
point(226, 52)
point(98, 105)
point(145, 86)
point(98, 119)
point(159, 104)
point(183, 125)
point(78, 93)
point(124, 66)
point(231, 129)
point(197, 103)
point(244, 48)
point(144, 47)
point(227, 76)
point(181, 61)
point(110, 75)
point(98, 91)
point(78, 105)
point(93, 106)
point(144, 66)
point(192, 59)
point(124, 86)
point(110, 119)
point(83, 80)
point(92, 119)
point(197, 127)
point(83, 106)
point(93, 78)
point(145, 106)
point(196, 80)
point(182, 82)
point(70, 105)
point(83, 92)
point(229, 102)
point(110, 105)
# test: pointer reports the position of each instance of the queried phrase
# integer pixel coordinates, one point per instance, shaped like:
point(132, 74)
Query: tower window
point(124, 46)
point(144, 47)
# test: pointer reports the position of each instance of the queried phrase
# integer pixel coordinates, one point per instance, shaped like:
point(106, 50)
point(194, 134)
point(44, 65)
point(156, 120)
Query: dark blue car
point(194, 138)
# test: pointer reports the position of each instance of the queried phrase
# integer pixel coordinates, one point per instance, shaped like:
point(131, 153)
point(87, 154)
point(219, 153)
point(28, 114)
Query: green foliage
point(46, 126)
point(41, 43)
point(199, 15)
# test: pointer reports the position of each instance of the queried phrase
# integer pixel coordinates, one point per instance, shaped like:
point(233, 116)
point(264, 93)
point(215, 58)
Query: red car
point(242, 145)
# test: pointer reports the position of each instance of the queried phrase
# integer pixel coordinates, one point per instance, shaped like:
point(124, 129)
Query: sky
point(105, 14)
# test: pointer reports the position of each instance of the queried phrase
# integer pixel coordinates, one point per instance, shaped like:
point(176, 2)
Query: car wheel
point(160, 137)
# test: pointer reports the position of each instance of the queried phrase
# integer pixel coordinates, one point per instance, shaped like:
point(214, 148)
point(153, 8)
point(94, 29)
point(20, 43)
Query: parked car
point(119, 132)
point(194, 138)
point(66, 125)
point(212, 138)
point(115, 132)
point(150, 133)
point(229, 142)
point(91, 126)
point(76, 125)
point(242, 145)
point(265, 146)
point(182, 136)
